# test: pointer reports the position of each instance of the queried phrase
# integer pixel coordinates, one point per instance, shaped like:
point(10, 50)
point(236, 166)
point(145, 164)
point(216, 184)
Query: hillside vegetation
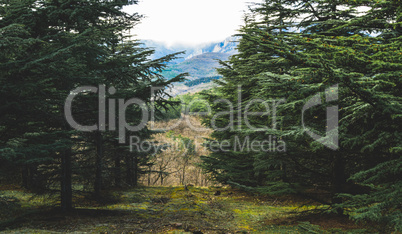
point(201, 80)
point(202, 65)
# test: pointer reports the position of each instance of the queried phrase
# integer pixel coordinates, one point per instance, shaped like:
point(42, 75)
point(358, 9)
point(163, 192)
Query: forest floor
point(172, 210)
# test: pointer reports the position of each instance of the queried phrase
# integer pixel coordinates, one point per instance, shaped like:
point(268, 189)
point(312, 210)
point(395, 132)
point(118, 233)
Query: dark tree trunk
point(29, 180)
point(184, 175)
point(135, 167)
point(149, 175)
point(117, 174)
point(129, 174)
point(284, 170)
point(66, 190)
point(132, 170)
point(338, 178)
point(25, 175)
point(98, 164)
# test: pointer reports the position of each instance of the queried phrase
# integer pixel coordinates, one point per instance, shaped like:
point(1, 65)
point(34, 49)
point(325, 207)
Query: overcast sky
point(189, 22)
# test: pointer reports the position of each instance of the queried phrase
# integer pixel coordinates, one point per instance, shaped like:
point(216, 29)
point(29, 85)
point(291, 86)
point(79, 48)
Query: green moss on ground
point(176, 210)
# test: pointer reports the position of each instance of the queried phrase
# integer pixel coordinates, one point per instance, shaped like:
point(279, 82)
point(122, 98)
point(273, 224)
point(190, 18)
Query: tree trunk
point(66, 190)
point(184, 174)
point(117, 172)
point(284, 170)
point(136, 172)
point(129, 175)
point(25, 175)
point(338, 178)
point(98, 164)
point(149, 175)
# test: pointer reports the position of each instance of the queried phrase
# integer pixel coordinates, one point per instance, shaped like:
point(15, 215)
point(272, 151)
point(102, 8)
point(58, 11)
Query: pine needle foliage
point(292, 51)
point(49, 48)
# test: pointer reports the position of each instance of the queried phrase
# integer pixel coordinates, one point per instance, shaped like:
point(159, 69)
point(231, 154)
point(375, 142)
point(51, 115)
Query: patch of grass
point(15, 202)
point(28, 200)
point(176, 210)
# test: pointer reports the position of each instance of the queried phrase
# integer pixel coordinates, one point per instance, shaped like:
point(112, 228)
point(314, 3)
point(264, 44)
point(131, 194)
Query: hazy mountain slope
point(163, 50)
point(228, 46)
point(180, 88)
point(202, 65)
point(199, 61)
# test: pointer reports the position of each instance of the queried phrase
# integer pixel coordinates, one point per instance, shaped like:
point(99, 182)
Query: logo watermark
point(330, 139)
point(244, 144)
point(238, 114)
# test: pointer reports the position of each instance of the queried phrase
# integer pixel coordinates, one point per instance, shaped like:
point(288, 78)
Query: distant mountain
point(228, 46)
point(198, 66)
point(162, 50)
point(199, 61)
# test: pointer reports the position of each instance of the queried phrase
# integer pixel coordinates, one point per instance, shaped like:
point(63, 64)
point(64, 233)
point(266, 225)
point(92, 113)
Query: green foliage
point(201, 80)
point(49, 48)
point(187, 104)
point(291, 51)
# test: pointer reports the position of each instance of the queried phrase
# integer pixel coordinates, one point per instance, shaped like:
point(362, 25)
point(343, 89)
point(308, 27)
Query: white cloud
point(188, 22)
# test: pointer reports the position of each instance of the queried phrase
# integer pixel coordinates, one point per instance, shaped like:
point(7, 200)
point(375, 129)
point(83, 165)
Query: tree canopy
point(324, 79)
point(48, 49)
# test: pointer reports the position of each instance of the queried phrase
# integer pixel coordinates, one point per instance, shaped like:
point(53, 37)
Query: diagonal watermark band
point(331, 138)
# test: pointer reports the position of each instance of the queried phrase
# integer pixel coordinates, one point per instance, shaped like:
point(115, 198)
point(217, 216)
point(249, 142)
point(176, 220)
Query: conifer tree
point(296, 49)
point(49, 48)
point(374, 128)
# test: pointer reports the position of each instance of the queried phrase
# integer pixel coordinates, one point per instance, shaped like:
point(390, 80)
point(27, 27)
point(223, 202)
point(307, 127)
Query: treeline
point(52, 50)
point(201, 80)
point(319, 83)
